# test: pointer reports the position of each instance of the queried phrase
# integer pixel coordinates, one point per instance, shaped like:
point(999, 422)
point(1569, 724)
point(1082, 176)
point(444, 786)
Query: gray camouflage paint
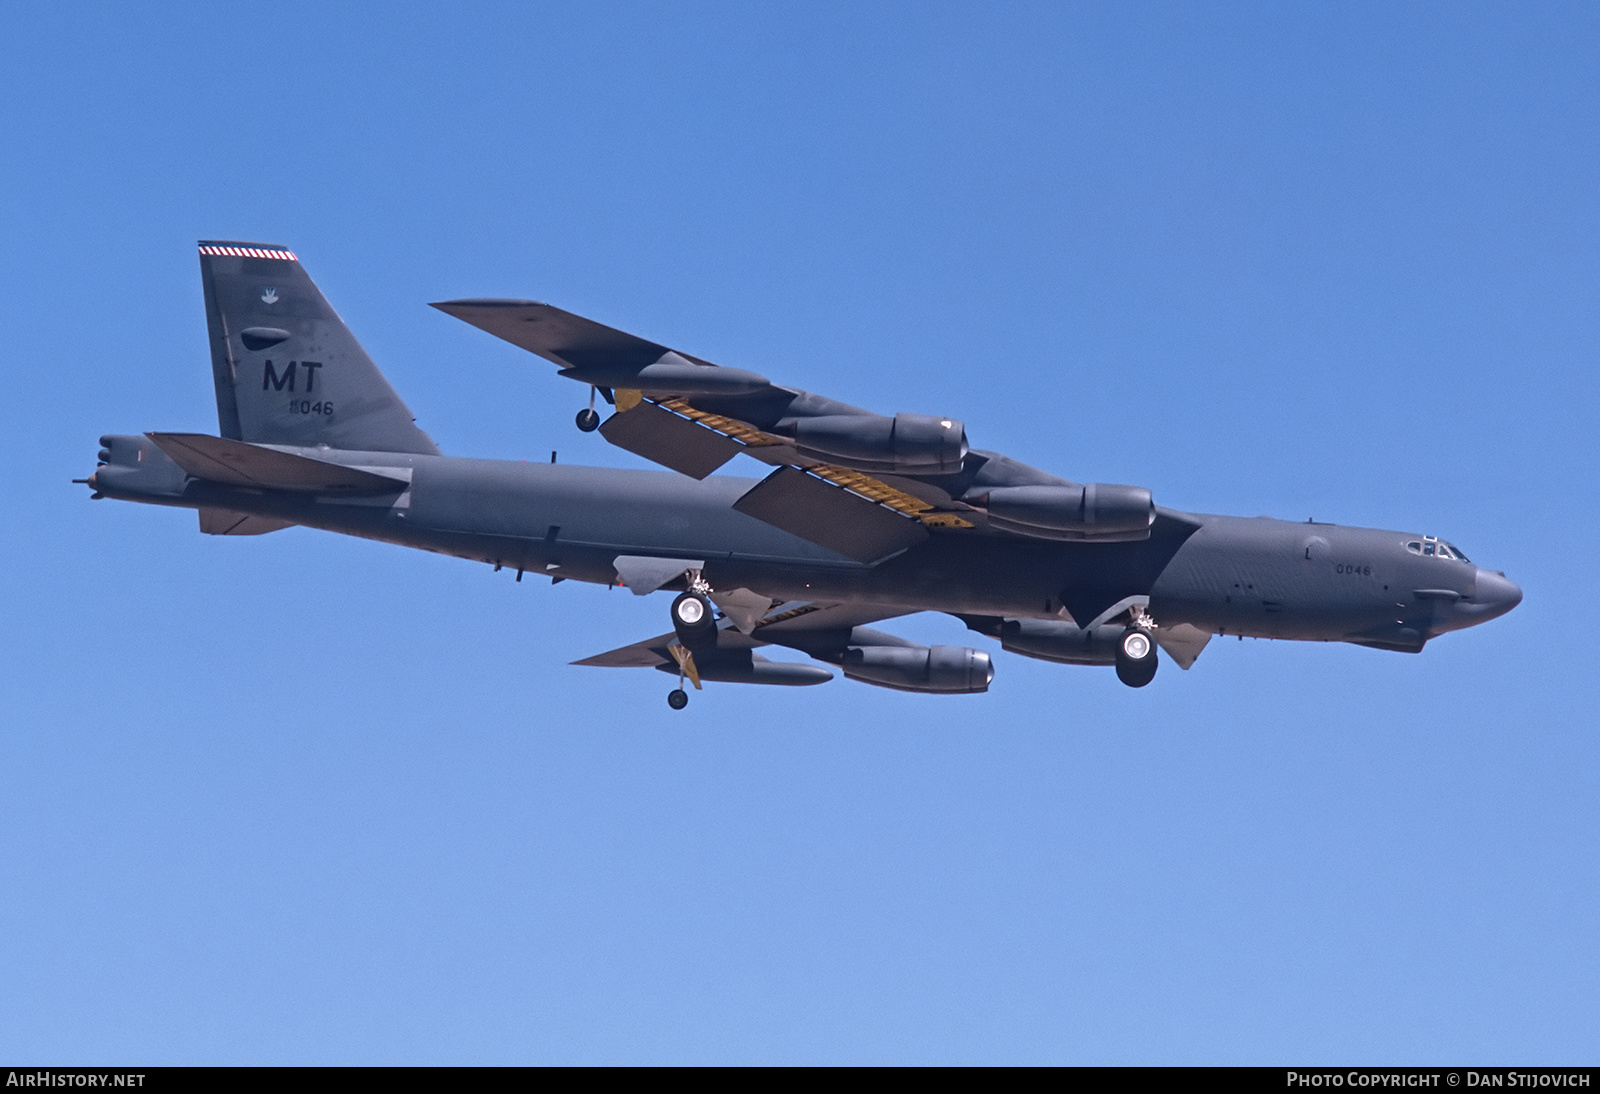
point(1254, 577)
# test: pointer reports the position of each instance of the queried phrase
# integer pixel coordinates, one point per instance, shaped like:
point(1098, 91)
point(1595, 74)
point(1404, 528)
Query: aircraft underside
point(861, 517)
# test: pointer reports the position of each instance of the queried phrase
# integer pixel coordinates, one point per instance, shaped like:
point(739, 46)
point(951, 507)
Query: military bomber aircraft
point(863, 517)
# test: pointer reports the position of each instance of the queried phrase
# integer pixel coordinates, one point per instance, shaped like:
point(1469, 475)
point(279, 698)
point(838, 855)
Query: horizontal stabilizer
point(829, 516)
point(235, 463)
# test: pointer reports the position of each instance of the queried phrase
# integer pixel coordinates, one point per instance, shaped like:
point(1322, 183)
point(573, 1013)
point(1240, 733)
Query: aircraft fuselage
point(1256, 576)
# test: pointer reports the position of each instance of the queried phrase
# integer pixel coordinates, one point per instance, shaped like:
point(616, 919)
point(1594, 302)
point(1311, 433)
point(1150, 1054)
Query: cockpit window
point(1434, 547)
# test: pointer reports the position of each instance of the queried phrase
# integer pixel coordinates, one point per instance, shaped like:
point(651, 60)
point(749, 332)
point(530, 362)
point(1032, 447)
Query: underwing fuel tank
point(944, 669)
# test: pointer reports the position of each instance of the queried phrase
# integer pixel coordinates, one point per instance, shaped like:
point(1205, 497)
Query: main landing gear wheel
point(677, 698)
point(692, 619)
point(1136, 657)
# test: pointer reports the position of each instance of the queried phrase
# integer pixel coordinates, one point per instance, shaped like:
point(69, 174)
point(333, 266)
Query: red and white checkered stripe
point(248, 252)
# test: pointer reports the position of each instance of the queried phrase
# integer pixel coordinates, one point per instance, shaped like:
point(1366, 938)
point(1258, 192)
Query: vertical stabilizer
point(288, 371)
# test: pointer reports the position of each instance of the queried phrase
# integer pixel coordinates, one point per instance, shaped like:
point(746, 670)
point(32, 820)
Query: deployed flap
point(229, 522)
point(644, 575)
point(659, 435)
point(1182, 641)
point(827, 515)
point(236, 463)
point(743, 608)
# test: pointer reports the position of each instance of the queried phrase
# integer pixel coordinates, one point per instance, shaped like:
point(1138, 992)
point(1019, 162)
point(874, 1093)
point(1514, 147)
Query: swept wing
point(692, 416)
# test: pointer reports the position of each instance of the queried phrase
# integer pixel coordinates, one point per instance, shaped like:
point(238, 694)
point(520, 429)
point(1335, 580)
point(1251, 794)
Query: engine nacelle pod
point(913, 443)
point(948, 669)
point(1096, 511)
point(1061, 641)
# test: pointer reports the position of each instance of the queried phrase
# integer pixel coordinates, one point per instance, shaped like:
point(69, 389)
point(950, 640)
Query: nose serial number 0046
point(1353, 568)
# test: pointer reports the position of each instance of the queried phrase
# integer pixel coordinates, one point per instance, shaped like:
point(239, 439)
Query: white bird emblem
point(269, 296)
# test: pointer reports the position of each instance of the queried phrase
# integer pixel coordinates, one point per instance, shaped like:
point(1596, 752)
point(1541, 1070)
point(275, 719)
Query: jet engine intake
point(1096, 511)
point(947, 669)
point(913, 443)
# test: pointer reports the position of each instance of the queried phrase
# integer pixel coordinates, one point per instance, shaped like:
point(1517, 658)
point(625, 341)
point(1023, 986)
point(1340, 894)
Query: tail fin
point(287, 369)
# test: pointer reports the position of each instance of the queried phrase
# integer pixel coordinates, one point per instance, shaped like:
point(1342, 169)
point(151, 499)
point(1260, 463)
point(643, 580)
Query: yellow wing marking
point(728, 427)
point(881, 492)
point(855, 481)
point(944, 520)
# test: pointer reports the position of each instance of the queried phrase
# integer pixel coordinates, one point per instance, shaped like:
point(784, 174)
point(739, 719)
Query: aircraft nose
point(1495, 595)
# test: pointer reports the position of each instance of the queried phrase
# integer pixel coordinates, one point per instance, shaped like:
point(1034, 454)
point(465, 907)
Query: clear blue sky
point(303, 799)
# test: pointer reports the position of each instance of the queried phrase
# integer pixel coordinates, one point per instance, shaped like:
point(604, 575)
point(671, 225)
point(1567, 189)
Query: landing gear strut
point(589, 421)
point(695, 625)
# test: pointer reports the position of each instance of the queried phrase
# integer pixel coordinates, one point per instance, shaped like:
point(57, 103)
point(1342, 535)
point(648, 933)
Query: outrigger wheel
point(1136, 657)
point(588, 420)
point(677, 698)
